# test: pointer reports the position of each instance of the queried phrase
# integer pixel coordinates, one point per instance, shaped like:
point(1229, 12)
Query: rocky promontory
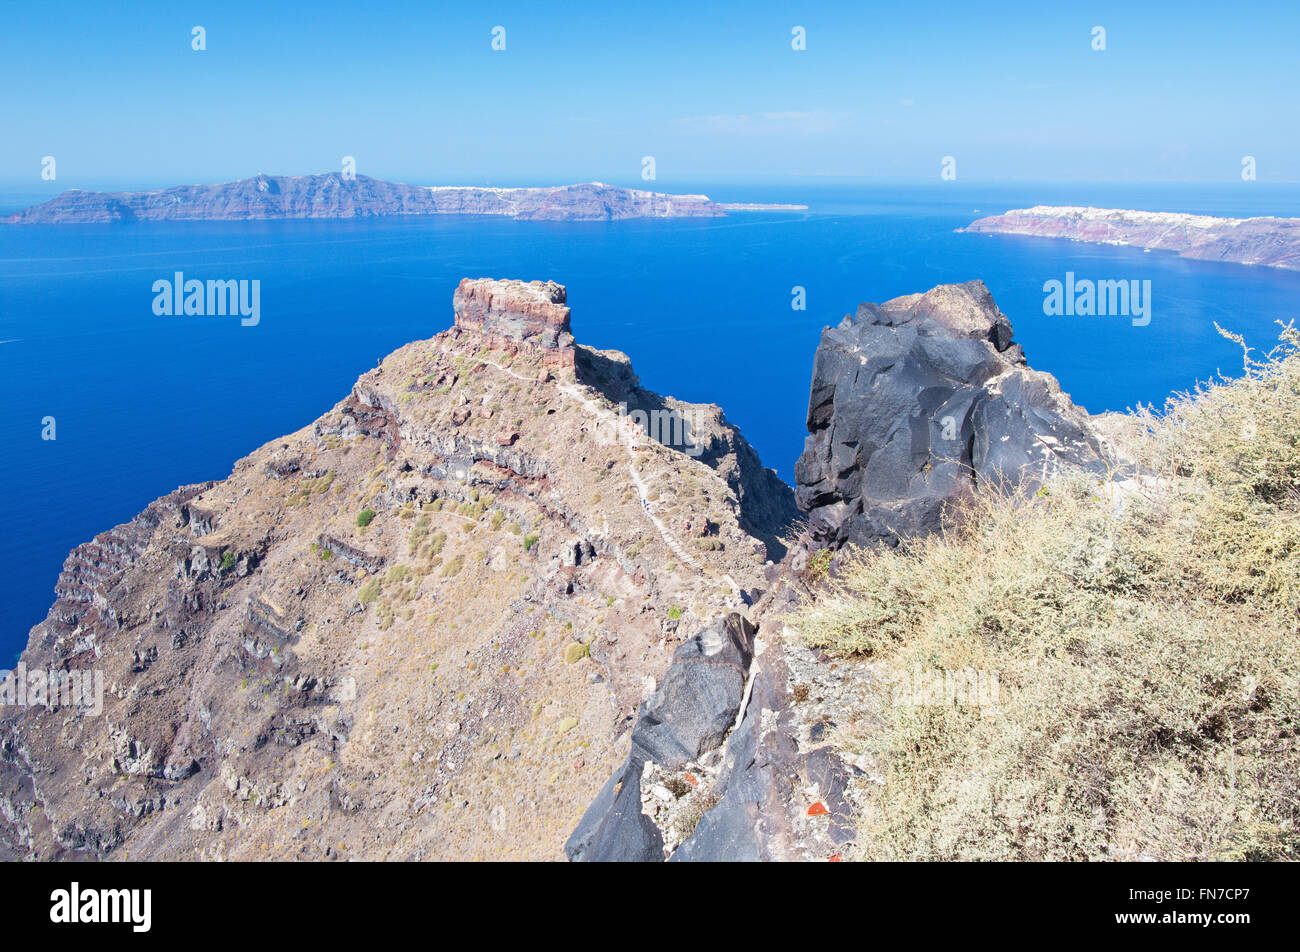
point(335, 195)
point(1274, 242)
point(419, 627)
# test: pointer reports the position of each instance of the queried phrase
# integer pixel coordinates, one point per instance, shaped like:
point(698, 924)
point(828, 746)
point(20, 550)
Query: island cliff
point(335, 195)
point(1274, 242)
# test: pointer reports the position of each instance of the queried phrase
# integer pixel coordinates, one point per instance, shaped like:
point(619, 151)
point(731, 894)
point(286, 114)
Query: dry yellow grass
point(1144, 642)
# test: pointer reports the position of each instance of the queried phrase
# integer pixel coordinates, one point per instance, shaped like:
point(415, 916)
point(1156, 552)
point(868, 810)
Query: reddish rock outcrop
point(514, 315)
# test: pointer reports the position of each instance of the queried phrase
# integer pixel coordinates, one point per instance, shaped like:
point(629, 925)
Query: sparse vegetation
point(818, 564)
point(310, 487)
point(364, 517)
point(1144, 640)
point(530, 540)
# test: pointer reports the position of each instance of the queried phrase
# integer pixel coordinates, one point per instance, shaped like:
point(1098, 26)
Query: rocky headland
point(480, 610)
point(1273, 242)
point(334, 195)
point(418, 627)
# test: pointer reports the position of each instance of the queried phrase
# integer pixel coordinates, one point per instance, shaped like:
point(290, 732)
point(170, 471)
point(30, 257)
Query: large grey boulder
point(917, 401)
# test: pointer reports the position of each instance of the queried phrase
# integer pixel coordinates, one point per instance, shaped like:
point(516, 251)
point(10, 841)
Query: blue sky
point(712, 90)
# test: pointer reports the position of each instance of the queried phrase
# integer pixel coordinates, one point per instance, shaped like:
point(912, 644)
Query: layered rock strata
point(515, 315)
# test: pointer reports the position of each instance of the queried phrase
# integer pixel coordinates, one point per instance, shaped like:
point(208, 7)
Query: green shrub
point(370, 591)
point(364, 517)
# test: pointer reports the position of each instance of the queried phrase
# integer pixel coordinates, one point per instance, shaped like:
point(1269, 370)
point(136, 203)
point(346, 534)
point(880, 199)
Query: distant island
point(1273, 242)
point(335, 195)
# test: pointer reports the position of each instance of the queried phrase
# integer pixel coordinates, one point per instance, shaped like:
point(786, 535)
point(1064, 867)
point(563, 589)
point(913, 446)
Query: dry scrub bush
point(1144, 635)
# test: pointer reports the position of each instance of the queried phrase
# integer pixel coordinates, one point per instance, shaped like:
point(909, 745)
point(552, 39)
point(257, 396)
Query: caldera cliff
point(335, 195)
point(1273, 242)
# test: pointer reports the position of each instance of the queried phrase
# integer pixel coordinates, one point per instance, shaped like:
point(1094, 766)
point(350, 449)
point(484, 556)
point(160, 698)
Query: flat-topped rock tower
point(517, 315)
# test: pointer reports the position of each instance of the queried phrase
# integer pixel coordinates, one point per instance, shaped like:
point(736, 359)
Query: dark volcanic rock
point(916, 401)
point(754, 789)
point(689, 715)
point(697, 702)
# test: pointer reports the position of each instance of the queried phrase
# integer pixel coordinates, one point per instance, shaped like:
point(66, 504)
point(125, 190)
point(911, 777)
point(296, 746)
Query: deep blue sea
point(144, 403)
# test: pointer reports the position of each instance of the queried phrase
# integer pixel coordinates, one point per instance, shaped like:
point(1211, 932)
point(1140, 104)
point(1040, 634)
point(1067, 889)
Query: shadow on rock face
point(701, 432)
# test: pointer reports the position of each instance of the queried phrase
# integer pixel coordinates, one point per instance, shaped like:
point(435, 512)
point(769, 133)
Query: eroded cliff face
point(1274, 242)
point(453, 679)
point(916, 401)
point(334, 195)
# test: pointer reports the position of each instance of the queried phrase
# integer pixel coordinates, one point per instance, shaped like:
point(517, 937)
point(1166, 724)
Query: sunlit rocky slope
point(418, 627)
